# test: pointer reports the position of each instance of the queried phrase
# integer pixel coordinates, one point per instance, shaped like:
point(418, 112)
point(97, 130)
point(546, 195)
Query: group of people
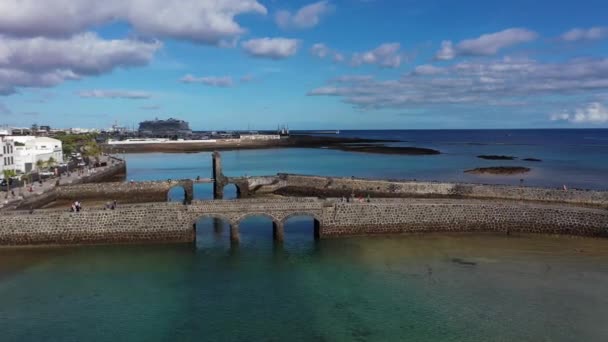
point(352, 198)
point(110, 206)
point(76, 206)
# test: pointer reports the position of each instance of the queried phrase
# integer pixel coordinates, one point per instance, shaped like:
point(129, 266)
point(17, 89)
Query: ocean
point(436, 287)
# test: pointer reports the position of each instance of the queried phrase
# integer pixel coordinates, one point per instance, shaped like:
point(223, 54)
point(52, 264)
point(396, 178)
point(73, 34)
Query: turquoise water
point(417, 288)
point(394, 288)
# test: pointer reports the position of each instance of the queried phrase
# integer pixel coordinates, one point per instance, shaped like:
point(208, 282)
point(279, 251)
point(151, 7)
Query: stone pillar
point(234, 233)
point(278, 232)
point(317, 229)
point(189, 190)
point(219, 181)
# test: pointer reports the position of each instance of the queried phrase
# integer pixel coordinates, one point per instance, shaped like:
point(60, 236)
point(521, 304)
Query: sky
point(341, 64)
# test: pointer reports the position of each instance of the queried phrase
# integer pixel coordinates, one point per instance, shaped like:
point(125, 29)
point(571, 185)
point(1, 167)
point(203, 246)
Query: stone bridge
point(176, 222)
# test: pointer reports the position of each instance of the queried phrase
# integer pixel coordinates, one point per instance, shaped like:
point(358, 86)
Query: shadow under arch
point(304, 217)
point(277, 226)
point(231, 191)
point(219, 226)
point(177, 193)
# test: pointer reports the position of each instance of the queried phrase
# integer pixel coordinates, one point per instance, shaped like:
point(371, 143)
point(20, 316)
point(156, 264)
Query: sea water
point(463, 287)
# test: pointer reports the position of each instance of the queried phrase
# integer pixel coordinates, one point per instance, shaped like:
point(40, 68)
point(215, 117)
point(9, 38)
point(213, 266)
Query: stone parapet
point(174, 222)
point(290, 184)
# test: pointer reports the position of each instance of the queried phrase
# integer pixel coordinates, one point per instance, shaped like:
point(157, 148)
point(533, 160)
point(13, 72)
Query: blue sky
point(350, 64)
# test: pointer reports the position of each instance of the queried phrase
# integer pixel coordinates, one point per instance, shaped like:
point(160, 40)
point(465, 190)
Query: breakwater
point(174, 222)
point(301, 185)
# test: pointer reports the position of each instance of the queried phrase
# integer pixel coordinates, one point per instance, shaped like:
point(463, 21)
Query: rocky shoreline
point(300, 141)
point(499, 170)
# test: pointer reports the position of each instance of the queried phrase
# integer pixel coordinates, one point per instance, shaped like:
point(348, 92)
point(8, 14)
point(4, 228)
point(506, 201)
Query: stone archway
point(218, 221)
point(316, 221)
point(277, 225)
point(231, 191)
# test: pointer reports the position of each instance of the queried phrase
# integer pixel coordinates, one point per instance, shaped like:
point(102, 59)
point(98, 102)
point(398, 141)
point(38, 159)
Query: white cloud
point(487, 44)
point(115, 94)
point(273, 48)
point(306, 17)
point(84, 54)
point(45, 62)
point(579, 34)
point(593, 113)
point(214, 81)
point(428, 69)
point(500, 82)
point(446, 52)
point(207, 22)
point(387, 55)
point(321, 50)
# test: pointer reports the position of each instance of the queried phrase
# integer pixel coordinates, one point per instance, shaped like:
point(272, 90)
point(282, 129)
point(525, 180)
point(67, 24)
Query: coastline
point(299, 141)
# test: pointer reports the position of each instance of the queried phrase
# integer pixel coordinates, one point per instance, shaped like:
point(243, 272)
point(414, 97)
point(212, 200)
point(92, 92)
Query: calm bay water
point(575, 158)
point(416, 287)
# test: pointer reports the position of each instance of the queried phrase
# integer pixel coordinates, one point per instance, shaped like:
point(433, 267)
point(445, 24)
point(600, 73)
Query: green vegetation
point(40, 164)
point(73, 142)
point(92, 150)
point(51, 162)
point(9, 173)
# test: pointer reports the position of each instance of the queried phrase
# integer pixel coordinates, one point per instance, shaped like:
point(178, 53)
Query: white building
point(29, 150)
point(7, 155)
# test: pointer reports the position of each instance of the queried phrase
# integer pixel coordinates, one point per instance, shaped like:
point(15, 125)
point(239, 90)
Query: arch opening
point(231, 191)
point(214, 232)
point(177, 194)
point(260, 229)
point(302, 227)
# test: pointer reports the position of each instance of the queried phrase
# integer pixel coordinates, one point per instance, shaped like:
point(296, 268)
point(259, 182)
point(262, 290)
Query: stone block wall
point(337, 186)
point(416, 215)
point(125, 192)
point(164, 223)
point(174, 222)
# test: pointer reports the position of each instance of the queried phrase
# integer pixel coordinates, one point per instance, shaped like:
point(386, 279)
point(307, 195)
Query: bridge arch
point(316, 221)
point(179, 187)
point(231, 191)
point(217, 220)
point(177, 193)
point(277, 225)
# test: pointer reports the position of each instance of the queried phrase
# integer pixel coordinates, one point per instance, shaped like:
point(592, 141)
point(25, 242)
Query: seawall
point(300, 185)
point(174, 222)
point(117, 170)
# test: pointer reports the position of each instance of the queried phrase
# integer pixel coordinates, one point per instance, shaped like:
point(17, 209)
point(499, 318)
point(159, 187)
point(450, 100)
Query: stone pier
point(175, 222)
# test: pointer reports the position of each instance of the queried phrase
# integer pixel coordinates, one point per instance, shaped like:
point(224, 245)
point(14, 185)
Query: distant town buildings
point(22, 153)
point(164, 128)
point(7, 155)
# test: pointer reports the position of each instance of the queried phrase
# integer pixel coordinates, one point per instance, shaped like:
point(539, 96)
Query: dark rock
point(495, 157)
point(499, 170)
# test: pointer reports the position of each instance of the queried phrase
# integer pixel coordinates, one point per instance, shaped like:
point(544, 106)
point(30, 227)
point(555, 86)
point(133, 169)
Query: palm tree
point(39, 165)
point(7, 176)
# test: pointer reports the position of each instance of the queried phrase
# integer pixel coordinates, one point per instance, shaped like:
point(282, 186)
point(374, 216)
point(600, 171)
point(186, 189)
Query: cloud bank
point(115, 94)
point(214, 81)
point(306, 17)
point(272, 48)
point(207, 22)
point(485, 45)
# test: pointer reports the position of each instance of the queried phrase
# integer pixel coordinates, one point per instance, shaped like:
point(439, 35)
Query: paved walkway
point(21, 193)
